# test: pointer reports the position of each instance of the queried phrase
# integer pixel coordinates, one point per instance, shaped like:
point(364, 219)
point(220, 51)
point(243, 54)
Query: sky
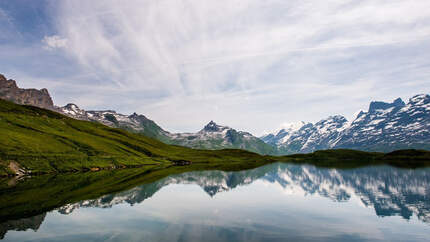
point(252, 65)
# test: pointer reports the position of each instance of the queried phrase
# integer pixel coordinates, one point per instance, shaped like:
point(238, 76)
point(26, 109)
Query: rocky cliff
point(11, 92)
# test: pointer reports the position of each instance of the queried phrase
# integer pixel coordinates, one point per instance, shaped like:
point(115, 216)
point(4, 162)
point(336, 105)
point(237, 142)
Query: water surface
point(277, 202)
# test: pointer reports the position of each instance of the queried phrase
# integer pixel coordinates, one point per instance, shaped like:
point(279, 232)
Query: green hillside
point(40, 140)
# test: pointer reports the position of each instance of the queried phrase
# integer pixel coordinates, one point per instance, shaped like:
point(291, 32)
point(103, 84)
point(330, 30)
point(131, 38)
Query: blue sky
point(253, 65)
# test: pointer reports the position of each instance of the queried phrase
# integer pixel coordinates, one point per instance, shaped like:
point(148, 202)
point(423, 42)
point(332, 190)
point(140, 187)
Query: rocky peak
point(7, 84)
point(419, 99)
point(332, 122)
point(72, 110)
point(11, 92)
point(212, 127)
point(376, 105)
point(71, 106)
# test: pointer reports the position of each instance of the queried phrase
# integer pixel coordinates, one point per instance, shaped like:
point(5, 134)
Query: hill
point(38, 141)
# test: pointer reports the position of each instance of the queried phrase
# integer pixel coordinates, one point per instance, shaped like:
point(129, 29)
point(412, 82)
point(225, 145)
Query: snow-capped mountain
point(390, 126)
point(214, 136)
point(134, 122)
point(309, 137)
point(384, 127)
point(282, 135)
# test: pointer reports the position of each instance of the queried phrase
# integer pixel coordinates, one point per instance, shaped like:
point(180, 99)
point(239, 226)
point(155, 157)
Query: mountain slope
point(40, 140)
point(134, 123)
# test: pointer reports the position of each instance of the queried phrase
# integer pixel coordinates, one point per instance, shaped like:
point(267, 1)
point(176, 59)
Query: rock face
point(384, 127)
point(11, 92)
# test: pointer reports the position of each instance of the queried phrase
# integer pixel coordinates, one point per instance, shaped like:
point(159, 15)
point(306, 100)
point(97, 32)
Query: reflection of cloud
point(54, 42)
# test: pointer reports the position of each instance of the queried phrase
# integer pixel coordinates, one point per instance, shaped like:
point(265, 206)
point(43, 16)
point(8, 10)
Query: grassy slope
point(44, 141)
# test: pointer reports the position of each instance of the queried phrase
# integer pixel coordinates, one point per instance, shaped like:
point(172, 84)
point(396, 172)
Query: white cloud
point(54, 42)
point(261, 63)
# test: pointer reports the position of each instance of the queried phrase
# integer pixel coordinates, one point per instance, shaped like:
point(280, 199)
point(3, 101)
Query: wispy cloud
point(249, 64)
point(54, 42)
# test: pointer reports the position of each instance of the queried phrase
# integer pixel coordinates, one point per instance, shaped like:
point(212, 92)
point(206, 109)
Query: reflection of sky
point(259, 211)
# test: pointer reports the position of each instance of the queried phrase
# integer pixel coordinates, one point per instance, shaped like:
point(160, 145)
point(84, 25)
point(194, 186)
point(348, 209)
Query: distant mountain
point(390, 126)
point(384, 127)
point(214, 136)
point(134, 123)
point(282, 135)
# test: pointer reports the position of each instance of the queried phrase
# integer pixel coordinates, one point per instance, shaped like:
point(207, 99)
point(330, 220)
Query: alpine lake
point(273, 202)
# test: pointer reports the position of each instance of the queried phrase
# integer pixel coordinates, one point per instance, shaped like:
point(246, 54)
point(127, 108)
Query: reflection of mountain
point(22, 224)
point(212, 182)
point(390, 191)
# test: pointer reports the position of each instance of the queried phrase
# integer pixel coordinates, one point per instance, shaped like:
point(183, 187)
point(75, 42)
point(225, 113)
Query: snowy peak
point(376, 105)
point(72, 110)
point(332, 122)
point(418, 100)
point(214, 137)
point(283, 134)
point(291, 127)
point(213, 127)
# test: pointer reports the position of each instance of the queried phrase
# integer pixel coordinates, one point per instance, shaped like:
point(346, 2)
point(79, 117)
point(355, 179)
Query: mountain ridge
point(384, 127)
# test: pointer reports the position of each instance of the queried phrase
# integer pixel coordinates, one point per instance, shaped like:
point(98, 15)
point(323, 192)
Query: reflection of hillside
point(22, 224)
point(390, 191)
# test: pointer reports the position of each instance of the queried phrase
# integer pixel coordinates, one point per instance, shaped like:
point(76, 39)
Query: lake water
point(276, 202)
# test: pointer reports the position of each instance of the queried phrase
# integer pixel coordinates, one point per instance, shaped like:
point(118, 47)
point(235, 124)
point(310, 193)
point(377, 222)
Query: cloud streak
point(252, 65)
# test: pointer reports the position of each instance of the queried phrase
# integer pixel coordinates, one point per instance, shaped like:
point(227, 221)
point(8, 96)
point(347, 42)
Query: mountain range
point(384, 127)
